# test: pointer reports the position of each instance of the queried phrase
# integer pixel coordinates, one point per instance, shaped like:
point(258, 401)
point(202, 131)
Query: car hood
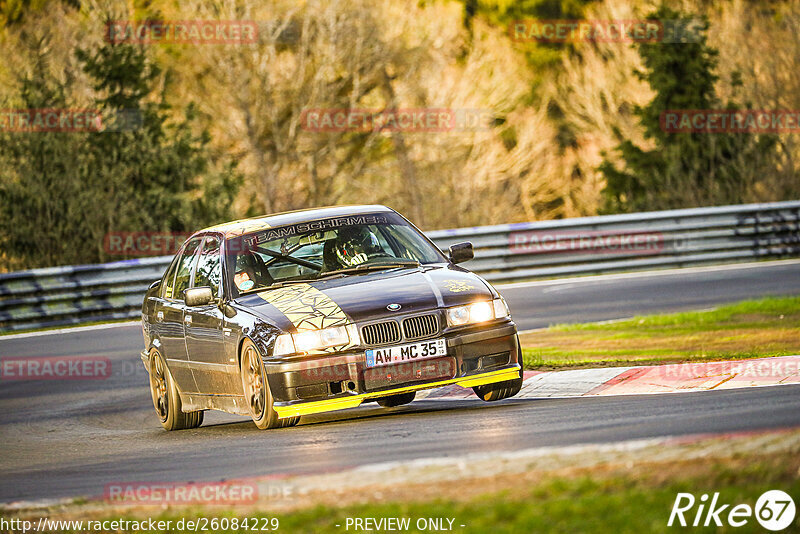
point(366, 296)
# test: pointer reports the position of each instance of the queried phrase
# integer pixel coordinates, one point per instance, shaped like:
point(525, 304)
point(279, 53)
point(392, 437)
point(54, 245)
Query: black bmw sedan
point(311, 311)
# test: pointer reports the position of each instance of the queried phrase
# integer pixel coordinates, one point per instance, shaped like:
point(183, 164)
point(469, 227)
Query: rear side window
point(185, 265)
point(168, 282)
point(209, 268)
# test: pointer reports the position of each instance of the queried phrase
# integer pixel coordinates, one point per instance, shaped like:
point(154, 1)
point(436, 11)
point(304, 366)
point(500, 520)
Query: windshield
point(325, 248)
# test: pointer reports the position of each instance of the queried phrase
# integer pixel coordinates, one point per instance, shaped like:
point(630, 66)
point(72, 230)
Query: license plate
point(406, 353)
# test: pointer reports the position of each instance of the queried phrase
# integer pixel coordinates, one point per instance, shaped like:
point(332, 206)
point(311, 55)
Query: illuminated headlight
point(477, 312)
point(337, 336)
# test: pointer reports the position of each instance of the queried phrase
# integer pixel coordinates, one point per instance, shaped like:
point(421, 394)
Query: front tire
point(501, 390)
point(397, 400)
point(256, 391)
point(166, 399)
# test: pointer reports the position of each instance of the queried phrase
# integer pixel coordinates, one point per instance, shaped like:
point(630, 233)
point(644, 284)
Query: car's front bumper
point(475, 356)
point(351, 401)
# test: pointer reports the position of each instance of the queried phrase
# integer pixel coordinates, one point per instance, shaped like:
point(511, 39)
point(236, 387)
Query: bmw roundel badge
point(393, 307)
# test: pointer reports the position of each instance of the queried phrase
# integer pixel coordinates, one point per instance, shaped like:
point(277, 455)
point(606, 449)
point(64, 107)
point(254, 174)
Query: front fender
point(246, 325)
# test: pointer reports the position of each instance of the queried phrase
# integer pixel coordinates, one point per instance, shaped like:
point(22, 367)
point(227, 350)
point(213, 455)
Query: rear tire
point(397, 400)
point(256, 391)
point(166, 399)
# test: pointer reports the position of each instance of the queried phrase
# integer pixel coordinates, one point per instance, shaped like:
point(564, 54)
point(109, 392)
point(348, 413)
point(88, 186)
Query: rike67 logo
point(774, 510)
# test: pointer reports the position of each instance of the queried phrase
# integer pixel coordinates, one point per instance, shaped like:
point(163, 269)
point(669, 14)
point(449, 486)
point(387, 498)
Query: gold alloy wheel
point(255, 392)
point(158, 386)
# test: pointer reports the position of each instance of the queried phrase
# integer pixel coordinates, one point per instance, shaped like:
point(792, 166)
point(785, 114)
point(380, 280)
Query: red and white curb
point(674, 378)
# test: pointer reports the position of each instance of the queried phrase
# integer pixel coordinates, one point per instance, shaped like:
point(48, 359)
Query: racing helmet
point(246, 272)
point(246, 262)
point(355, 245)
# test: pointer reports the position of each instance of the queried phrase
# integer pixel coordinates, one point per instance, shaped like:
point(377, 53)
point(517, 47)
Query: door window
point(168, 282)
point(209, 268)
point(185, 265)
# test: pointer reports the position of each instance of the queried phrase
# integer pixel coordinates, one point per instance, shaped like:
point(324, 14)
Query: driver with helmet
point(247, 267)
point(353, 246)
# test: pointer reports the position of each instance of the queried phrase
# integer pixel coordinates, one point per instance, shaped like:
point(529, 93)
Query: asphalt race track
point(607, 297)
point(70, 438)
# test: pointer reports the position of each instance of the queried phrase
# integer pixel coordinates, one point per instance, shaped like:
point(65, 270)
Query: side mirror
point(198, 296)
point(461, 252)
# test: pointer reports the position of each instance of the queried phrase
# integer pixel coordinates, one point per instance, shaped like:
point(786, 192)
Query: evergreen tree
point(61, 192)
point(684, 169)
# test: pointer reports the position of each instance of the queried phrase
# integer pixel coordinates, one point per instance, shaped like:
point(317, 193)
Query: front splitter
point(343, 403)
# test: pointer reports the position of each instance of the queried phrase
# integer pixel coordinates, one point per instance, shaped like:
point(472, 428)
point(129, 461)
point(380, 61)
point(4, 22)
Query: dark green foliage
point(684, 169)
point(60, 192)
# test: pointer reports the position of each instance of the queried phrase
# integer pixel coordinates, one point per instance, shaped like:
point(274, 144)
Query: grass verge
point(748, 329)
point(611, 502)
point(634, 496)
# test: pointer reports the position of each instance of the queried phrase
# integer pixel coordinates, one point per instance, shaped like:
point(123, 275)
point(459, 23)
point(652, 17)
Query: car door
point(213, 371)
point(172, 319)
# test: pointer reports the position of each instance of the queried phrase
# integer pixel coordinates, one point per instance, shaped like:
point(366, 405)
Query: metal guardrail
point(503, 253)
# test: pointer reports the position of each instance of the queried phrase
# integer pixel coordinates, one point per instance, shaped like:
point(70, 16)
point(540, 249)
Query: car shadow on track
point(420, 407)
point(224, 423)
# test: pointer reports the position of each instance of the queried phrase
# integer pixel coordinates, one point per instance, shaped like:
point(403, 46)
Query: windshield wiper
point(350, 270)
point(323, 276)
point(377, 266)
point(282, 283)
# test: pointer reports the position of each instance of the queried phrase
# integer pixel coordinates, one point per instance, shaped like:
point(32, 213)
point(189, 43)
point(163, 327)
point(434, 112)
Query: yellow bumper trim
point(308, 408)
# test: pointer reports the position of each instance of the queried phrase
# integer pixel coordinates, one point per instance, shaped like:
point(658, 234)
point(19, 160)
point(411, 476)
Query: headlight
point(284, 345)
point(311, 340)
point(477, 312)
point(501, 310)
